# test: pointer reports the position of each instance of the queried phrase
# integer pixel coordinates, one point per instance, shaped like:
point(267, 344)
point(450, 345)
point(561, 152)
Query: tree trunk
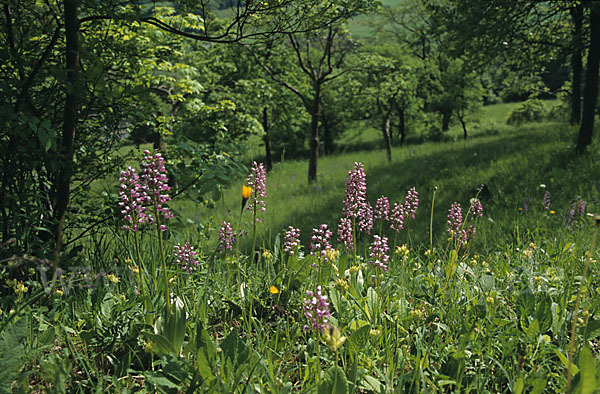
point(576, 63)
point(328, 145)
point(63, 180)
point(314, 142)
point(266, 139)
point(314, 137)
point(446, 121)
point(385, 130)
point(402, 127)
point(590, 94)
point(461, 118)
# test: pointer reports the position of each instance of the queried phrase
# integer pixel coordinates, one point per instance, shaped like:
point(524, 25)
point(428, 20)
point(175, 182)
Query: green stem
point(431, 220)
point(139, 261)
point(254, 230)
point(162, 257)
point(354, 238)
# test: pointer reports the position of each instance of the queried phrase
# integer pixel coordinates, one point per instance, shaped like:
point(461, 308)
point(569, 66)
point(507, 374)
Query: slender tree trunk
point(461, 118)
point(266, 139)
point(402, 127)
point(328, 145)
point(385, 130)
point(446, 121)
point(63, 180)
point(576, 63)
point(314, 136)
point(590, 94)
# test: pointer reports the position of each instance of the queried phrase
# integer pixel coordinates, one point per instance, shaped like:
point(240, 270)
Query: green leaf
point(534, 329)
point(358, 339)
point(175, 322)
point(543, 313)
point(587, 364)
point(206, 352)
point(488, 283)
point(335, 381)
point(592, 329)
point(371, 383)
point(519, 385)
point(565, 361)
point(234, 349)
point(159, 343)
point(372, 304)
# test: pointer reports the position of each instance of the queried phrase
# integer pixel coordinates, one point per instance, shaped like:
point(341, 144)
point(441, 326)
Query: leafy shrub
point(529, 111)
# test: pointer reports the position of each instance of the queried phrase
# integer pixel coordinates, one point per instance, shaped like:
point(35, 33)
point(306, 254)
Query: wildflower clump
point(456, 227)
point(378, 252)
point(546, 200)
point(344, 233)
point(319, 243)
point(316, 310)
point(133, 200)
point(154, 179)
point(382, 209)
point(185, 256)
point(257, 182)
point(455, 223)
point(411, 203)
point(355, 196)
point(291, 240)
point(226, 236)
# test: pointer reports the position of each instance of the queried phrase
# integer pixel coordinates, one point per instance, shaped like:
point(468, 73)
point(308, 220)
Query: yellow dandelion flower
point(552, 212)
point(273, 290)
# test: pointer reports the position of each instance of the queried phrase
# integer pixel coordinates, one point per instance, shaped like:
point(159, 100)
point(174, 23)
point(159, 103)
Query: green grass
point(492, 315)
point(511, 161)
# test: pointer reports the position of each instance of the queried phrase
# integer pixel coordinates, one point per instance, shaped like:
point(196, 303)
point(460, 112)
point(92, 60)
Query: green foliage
point(532, 110)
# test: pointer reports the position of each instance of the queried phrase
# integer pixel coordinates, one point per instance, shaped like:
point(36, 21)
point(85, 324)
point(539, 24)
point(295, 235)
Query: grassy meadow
point(515, 307)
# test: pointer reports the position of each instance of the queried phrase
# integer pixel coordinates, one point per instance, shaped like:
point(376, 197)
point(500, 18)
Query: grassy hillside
point(512, 161)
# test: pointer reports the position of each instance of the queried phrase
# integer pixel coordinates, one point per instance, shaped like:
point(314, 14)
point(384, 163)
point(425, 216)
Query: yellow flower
point(113, 278)
point(403, 250)
point(273, 290)
point(332, 254)
point(267, 255)
point(246, 192)
point(552, 212)
point(20, 288)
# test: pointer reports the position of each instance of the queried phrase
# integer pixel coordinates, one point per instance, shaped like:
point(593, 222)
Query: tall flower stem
point(139, 260)
point(161, 251)
point(254, 230)
point(354, 239)
point(431, 220)
point(578, 301)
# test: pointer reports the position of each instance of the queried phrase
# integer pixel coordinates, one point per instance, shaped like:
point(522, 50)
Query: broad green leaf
point(518, 385)
point(587, 365)
point(175, 322)
point(159, 343)
point(358, 339)
point(335, 381)
point(533, 330)
point(488, 283)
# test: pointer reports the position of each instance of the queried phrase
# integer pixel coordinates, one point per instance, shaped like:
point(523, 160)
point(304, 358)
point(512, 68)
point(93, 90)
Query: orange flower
point(273, 290)
point(246, 193)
